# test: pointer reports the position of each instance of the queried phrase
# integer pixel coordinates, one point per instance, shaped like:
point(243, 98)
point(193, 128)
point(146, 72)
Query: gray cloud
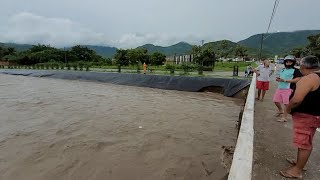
point(127, 23)
point(31, 28)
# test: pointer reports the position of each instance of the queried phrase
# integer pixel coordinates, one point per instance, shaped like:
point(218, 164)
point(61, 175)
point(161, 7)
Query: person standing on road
point(263, 78)
point(288, 76)
point(305, 110)
point(248, 71)
point(144, 68)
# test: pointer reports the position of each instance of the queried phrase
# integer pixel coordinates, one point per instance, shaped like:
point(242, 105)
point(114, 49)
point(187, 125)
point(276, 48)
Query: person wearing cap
point(305, 110)
point(263, 78)
point(288, 76)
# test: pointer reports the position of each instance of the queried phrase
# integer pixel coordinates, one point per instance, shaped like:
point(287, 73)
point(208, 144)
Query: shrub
point(200, 69)
point(68, 67)
point(170, 68)
point(81, 66)
point(75, 66)
point(186, 68)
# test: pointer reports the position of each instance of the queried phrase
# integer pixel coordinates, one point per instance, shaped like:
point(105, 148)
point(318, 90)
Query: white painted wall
point(241, 168)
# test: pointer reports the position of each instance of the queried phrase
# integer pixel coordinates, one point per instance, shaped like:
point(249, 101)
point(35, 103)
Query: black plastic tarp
point(181, 83)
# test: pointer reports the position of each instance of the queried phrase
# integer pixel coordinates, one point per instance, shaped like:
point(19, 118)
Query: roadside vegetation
point(81, 58)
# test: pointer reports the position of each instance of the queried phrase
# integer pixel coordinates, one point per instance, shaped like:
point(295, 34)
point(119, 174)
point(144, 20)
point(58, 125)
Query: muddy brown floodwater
point(59, 129)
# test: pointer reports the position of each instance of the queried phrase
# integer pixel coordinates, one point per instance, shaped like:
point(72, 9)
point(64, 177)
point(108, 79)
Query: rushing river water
point(61, 129)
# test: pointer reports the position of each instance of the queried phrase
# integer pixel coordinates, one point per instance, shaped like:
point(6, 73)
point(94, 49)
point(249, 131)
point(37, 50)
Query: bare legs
point(280, 110)
point(259, 94)
point(263, 94)
point(296, 170)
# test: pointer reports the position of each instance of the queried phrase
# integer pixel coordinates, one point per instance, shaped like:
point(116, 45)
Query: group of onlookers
point(298, 94)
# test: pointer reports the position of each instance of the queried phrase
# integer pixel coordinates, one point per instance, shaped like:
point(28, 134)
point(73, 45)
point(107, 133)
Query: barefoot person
point(305, 110)
point(263, 77)
point(288, 76)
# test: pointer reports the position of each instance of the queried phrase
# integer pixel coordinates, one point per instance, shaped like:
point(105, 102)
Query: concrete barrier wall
point(241, 168)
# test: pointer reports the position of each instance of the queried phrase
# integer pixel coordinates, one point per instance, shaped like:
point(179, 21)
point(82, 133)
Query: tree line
point(312, 48)
point(46, 54)
point(42, 54)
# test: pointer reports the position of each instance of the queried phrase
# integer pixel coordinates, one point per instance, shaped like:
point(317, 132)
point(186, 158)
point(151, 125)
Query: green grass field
point(220, 66)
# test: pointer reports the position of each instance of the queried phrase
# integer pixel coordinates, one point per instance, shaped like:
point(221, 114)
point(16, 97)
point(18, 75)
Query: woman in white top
point(263, 77)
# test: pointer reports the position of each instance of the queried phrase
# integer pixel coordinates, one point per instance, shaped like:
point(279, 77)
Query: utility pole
point(260, 56)
point(202, 41)
point(65, 55)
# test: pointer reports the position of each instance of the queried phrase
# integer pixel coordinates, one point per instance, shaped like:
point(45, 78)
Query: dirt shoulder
point(273, 143)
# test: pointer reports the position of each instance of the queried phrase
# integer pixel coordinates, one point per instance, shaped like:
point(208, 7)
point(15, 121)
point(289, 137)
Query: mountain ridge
point(279, 43)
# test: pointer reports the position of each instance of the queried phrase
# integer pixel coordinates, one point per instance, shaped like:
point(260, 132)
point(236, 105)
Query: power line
point(275, 6)
point(276, 3)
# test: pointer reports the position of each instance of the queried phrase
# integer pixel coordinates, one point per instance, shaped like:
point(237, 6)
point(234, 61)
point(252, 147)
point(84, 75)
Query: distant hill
point(229, 46)
point(103, 51)
point(100, 50)
point(222, 45)
point(275, 44)
point(185, 48)
point(279, 43)
point(17, 47)
point(179, 49)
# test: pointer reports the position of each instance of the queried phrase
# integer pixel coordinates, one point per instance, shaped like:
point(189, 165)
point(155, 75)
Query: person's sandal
point(279, 114)
point(293, 162)
point(288, 175)
point(282, 119)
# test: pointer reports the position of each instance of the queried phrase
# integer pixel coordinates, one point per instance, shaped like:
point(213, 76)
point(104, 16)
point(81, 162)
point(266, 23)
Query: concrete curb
point(241, 168)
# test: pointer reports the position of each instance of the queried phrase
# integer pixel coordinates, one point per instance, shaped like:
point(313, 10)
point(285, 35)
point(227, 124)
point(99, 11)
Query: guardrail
point(241, 168)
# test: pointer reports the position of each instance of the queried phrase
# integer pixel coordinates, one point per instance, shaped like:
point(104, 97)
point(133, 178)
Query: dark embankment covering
point(228, 87)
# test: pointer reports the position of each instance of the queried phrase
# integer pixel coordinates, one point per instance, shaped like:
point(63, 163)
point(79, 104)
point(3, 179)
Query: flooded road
point(61, 129)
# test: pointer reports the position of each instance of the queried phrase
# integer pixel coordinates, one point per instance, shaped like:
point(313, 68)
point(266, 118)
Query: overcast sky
point(131, 23)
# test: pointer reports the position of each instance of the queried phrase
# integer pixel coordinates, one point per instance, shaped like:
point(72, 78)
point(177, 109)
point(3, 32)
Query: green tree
point(208, 56)
point(45, 55)
point(121, 57)
point(39, 47)
point(138, 56)
point(83, 53)
point(11, 58)
point(157, 58)
point(204, 56)
point(225, 50)
point(2, 52)
point(196, 53)
point(7, 52)
point(240, 51)
point(298, 52)
point(11, 51)
point(313, 48)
